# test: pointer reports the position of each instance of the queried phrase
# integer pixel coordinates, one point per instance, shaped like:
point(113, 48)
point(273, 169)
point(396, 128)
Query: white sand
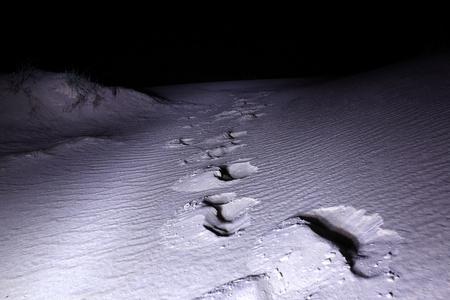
point(119, 196)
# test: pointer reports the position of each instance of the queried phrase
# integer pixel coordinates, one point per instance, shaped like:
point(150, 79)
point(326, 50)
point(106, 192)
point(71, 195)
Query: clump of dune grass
point(24, 70)
point(84, 88)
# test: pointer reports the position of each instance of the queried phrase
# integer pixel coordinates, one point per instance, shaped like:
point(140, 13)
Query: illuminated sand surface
point(269, 189)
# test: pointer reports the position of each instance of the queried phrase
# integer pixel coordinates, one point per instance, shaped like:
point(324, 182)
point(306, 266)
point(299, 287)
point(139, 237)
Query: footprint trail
point(222, 214)
point(315, 251)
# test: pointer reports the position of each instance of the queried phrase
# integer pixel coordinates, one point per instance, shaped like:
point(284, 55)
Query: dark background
point(147, 46)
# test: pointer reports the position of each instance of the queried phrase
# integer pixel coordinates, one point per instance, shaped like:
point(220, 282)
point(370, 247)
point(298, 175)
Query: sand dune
point(265, 189)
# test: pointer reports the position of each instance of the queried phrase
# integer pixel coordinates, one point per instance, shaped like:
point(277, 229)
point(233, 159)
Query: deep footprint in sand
point(231, 214)
point(367, 248)
point(360, 238)
point(297, 260)
point(214, 177)
point(235, 171)
point(201, 223)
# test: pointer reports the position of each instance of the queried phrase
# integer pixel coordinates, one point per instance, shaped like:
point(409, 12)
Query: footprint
point(229, 142)
point(177, 143)
point(236, 135)
point(223, 150)
point(320, 250)
point(231, 211)
point(187, 118)
point(219, 199)
point(199, 180)
point(367, 247)
point(240, 113)
point(214, 177)
point(243, 109)
point(293, 261)
point(235, 171)
point(249, 116)
point(185, 230)
point(228, 114)
point(230, 214)
point(202, 223)
point(224, 137)
point(221, 228)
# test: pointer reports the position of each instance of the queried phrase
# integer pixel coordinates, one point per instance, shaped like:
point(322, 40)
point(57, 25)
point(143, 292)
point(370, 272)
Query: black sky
point(217, 44)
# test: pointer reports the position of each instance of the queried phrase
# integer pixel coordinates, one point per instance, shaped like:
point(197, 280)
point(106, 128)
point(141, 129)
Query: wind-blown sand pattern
point(266, 189)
